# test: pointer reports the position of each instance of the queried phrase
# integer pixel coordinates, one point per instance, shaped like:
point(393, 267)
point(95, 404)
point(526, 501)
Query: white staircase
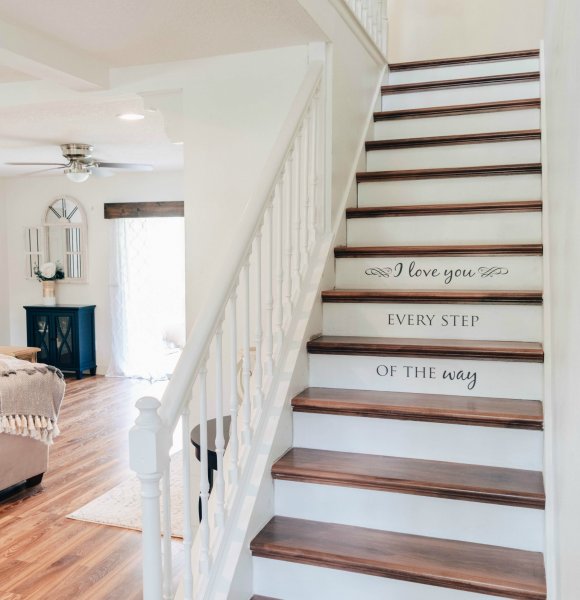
point(416, 467)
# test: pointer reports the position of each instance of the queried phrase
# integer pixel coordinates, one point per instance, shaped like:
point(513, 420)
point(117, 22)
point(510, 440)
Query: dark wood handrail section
point(427, 86)
point(463, 60)
point(454, 140)
point(462, 250)
point(433, 296)
point(467, 208)
point(458, 109)
point(431, 408)
point(427, 348)
point(450, 173)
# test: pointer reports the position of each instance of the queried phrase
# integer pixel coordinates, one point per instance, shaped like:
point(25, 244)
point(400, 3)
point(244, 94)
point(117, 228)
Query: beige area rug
point(121, 506)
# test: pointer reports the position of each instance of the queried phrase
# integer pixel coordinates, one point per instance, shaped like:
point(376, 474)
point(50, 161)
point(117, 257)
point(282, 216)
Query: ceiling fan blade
point(45, 170)
point(98, 172)
point(125, 166)
point(35, 164)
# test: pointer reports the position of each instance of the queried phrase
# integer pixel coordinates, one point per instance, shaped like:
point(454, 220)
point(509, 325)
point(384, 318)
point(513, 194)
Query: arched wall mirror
point(62, 238)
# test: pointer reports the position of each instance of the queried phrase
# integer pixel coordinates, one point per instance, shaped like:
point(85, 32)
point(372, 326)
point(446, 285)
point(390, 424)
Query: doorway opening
point(147, 296)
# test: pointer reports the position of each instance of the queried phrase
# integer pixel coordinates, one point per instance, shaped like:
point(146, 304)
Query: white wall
point(4, 261)
point(424, 29)
point(563, 130)
point(26, 199)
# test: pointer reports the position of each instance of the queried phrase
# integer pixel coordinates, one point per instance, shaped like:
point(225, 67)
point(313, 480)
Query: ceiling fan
point(81, 164)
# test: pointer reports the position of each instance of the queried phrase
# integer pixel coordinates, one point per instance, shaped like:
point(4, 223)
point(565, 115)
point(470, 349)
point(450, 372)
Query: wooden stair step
point(431, 408)
point(262, 598)
point(495, 485)
point(445, 563)
point(427, 348)
point(463, 60)
point(457, 109)
point(427, 86)
point(465, 208)
point(450, 173)
point(454, 140)
point(443, 250)
point(434, 297)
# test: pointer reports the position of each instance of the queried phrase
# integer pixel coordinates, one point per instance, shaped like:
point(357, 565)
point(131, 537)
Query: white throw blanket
point(30, 398)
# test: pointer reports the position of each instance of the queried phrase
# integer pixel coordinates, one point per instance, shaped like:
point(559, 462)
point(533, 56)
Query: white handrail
point(206, 323)
point(286, 215)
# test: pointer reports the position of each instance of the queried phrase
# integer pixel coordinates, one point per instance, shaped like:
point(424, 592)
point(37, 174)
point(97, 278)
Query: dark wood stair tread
point(458, 109)
point(463, 60)
point(454, 140)
point(442, 250)
point(433, 408)
point(446, 563)
point(464, 208)
point(433, 296)
point(450, 172)
point(427, 86)
point(457, 481)
point(427, 348)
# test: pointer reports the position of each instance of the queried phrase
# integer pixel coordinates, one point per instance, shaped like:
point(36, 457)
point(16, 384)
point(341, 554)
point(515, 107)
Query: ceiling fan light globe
point(77, 177)
point(131, 116)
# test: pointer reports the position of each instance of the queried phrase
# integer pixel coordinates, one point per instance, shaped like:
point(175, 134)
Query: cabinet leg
point(79, 374)
point(93, 371)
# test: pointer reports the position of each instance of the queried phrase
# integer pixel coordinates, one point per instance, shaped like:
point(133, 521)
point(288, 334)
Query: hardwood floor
point(45, 555)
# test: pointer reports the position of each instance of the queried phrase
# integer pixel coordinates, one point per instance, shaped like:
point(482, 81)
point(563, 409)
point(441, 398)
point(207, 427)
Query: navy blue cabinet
point(65, 335)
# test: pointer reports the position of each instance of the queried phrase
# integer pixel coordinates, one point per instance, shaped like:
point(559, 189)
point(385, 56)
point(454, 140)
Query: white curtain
point(147, 296)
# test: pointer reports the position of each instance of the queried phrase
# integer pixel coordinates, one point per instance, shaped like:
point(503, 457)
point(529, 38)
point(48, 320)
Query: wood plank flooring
point(45, 555)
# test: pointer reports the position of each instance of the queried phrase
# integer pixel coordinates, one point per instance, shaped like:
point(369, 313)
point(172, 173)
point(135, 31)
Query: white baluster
point(279, 321)
point(304, 191)
point(167, 559)
point(187, 512)
point(288, 236)
point(149, 450)
point(313, 160)
point(258, 369)
point(219, 430)
point(233, 391)
point(269, 303)
point(246, 405)
point(203, 478)
point(295, 201)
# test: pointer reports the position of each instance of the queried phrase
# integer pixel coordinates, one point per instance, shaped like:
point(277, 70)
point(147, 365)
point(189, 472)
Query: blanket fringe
point(33, 426)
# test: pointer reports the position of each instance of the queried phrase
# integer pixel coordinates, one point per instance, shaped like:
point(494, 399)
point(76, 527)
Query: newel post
point(149, 453)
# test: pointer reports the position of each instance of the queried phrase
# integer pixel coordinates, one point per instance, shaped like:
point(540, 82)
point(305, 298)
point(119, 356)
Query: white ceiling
point(119, 33)
point(34, 133)
point(137, 32)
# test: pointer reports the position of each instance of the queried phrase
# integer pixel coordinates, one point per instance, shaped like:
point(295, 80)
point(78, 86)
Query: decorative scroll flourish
point(379, 271)
point(492, 271)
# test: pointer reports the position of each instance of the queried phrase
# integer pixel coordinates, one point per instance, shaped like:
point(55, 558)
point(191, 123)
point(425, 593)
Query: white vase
point(49, 293)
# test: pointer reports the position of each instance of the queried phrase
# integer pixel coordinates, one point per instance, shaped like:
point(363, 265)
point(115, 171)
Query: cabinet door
point(41, 335)
point(64, 349)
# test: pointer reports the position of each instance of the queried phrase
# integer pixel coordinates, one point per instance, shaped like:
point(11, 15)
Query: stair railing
point(251, 305)
point(372, 15)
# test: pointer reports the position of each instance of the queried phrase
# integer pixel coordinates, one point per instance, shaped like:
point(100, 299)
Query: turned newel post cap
point(148, 439)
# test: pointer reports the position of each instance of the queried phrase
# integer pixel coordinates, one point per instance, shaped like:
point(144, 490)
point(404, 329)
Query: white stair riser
point(509, 526)
point(295, 581)
point(464, 95)
point(439, 321)
point(440, 273)
point(504, 67)
point(449, 191)
point(470, 228)
point(491, 446)
point(460, 155)
point(490, 378)
point(512, 120)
